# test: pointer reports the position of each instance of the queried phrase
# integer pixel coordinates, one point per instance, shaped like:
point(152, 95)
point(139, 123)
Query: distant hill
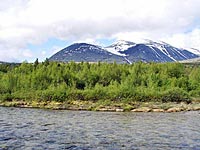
point(123, 52)
point(191, 61)
point(9, 63)
point(2, 62)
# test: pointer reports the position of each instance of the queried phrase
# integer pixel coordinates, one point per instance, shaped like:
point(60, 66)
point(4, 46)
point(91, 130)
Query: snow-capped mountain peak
point(155, 43)
point(123, 42)
point(119, 46)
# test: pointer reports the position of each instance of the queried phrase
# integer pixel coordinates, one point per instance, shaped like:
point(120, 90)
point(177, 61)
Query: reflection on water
point(81, 130)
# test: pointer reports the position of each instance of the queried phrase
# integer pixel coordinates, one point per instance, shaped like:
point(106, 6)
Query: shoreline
point(106, 106)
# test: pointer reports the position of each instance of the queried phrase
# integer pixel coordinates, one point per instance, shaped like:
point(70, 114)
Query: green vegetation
point(99, 83)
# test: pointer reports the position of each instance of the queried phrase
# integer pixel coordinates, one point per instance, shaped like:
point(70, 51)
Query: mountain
point(3, 62)
point(123, 52)
point(79, 52)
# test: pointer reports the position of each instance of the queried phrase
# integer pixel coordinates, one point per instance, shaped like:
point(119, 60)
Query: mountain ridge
point(92, 53)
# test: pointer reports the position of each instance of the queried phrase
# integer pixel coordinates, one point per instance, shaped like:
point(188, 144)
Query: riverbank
point(104, 105)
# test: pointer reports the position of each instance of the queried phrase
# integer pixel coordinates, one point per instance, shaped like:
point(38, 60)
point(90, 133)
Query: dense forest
point(53, 81)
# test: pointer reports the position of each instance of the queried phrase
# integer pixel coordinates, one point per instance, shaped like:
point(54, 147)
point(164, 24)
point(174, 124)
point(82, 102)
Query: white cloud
point(187, 40)
point(14, 55)
point(34, 21)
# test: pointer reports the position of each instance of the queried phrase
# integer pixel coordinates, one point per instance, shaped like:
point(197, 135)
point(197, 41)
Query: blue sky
point(46, 49)
point(33, 29)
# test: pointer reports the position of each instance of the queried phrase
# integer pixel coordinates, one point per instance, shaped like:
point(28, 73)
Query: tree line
point(54, 81)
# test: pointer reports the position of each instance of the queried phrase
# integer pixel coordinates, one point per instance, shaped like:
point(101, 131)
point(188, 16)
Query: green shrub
point(175, 95)
point(6, 97)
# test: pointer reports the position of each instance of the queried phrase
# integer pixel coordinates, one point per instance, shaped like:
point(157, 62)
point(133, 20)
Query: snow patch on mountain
point(113, 51)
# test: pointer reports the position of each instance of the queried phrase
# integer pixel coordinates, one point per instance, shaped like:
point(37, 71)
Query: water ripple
point(38, 129)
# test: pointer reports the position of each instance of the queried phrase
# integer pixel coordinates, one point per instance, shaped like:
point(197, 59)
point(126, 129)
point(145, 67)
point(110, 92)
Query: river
point(37, 129)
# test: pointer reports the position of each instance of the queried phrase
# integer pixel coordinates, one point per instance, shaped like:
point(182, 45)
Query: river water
point(37, 129)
